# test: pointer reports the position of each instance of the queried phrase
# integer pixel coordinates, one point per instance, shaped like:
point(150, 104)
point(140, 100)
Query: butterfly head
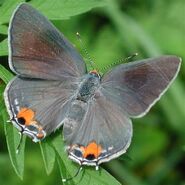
point(95, 73)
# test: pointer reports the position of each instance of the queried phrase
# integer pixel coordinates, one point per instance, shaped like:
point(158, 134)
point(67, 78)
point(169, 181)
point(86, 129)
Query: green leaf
point(3, 29)
point(1, 2)
point(56, 9)
point(5, 75)
point(62, 9)
point(12, 135)
point(6, 10)
point(4, 48)
point(134, 32)
point(13, 139)
point(69, 168)
point(48, 154)
point(103, 39)
point(142, 148)
point(62, 168)
point(2, 107)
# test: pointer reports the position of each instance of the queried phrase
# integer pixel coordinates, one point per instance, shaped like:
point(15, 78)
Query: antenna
point(120, 61)
point(77, 172)
point(131, 57)
point(92, 64)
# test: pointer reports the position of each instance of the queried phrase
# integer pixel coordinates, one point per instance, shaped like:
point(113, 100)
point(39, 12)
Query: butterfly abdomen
point(75, 116)
point(79, 107)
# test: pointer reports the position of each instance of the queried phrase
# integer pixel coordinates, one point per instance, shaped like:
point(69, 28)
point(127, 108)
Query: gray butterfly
point(52, 88)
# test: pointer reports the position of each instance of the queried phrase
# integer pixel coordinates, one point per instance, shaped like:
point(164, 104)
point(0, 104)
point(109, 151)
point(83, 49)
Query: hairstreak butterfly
point(53, 88)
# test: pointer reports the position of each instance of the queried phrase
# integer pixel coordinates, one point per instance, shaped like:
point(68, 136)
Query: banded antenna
point(119, 61)
point(92, 64)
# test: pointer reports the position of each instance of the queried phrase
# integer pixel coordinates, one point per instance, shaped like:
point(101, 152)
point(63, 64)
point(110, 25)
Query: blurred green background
point(112, 32)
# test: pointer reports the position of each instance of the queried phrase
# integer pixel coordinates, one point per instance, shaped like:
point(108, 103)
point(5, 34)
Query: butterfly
point(52, 88)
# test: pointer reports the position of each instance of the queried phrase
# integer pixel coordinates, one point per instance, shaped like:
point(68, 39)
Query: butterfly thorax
point(88, 86)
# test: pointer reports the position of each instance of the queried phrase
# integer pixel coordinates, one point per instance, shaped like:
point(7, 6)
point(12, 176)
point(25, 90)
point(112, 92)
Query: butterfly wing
point(38, 50)
point(99, 133)
point(38, 107)
point(48, 67)
point(136, 86)
point(101, 130)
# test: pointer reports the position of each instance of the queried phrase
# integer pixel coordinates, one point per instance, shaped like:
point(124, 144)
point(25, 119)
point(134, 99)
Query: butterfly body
point(88, 86)
point(87, 93)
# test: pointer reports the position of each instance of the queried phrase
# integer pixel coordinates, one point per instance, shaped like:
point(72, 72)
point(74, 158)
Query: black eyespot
point(90, 157)
point(21, 121)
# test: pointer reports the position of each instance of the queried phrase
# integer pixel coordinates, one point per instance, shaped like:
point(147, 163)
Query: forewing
point(39, 50)
point(136, 86)
point(42, 103)
point(104, 125)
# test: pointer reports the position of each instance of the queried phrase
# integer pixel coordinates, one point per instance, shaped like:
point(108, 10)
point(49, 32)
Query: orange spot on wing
point(40, 135)
point(27, 114)
point(28, 117)
point(91, 148)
